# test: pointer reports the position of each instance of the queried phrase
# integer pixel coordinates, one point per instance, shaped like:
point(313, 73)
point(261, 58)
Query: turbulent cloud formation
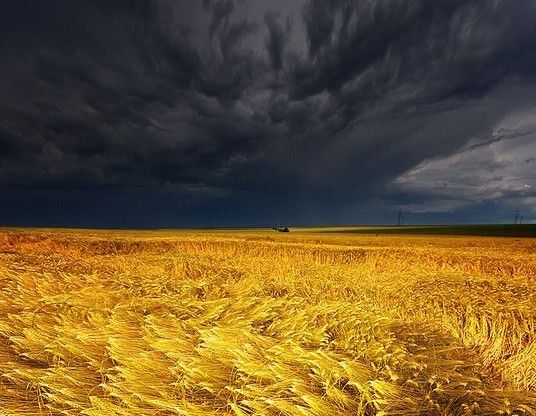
point(232, 112)
point(501, 167)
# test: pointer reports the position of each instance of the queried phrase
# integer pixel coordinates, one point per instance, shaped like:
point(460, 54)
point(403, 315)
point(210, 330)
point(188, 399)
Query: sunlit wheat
point(258, 323)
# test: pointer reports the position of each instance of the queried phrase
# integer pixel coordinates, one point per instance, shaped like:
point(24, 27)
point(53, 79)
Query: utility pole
point(516, 216)
point(400, 218)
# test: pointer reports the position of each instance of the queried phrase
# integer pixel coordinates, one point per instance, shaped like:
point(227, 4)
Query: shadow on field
point(485, 230)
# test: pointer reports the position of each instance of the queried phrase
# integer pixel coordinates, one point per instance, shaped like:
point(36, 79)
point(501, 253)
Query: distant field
point(220, 323)
point(489, 230)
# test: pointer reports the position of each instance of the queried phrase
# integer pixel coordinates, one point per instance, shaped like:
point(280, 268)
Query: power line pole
point(516, 216)
point(400, 218)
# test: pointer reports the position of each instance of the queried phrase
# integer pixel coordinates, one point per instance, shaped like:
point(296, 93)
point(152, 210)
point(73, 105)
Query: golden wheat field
point(264, 323)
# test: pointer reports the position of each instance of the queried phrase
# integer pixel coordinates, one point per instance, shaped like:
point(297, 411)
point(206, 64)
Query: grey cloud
point(277, 39)
point(220, 12)
point(493, 170)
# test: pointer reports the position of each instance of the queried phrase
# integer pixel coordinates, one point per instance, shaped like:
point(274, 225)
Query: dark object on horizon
point(281, 229)
point(400, 218)
point(516, 216)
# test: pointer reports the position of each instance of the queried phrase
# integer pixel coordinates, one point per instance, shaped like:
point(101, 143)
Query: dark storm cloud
point(250, 105)
point(450, 48)
point(277, 38)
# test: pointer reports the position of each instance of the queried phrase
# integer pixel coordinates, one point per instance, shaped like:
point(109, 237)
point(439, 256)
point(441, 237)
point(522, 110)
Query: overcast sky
point(257, 112)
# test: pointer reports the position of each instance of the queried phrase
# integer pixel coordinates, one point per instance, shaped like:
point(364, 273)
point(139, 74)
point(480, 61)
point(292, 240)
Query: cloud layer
point(242, 111)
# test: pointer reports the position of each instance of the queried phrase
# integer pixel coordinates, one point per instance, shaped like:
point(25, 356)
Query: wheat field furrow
point(256, 323)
